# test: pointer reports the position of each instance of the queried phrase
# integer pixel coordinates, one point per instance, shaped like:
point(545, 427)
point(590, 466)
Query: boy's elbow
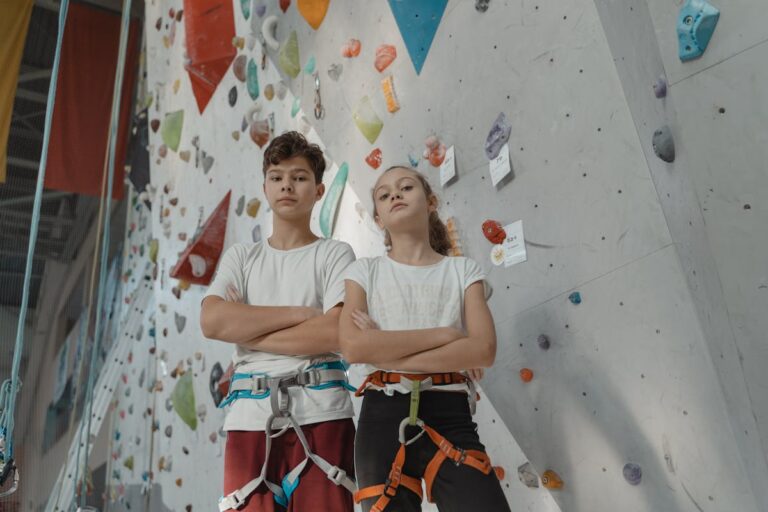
point(207, 323)
point(489, 353)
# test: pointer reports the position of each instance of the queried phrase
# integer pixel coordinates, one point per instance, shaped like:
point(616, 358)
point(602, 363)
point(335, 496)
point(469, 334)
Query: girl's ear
point(432, 203)
point(377, 220)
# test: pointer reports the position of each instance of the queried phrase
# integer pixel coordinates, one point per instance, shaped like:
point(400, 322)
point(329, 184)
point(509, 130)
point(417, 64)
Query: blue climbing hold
point(575, 298)
point(695, 26)
point(418, 21)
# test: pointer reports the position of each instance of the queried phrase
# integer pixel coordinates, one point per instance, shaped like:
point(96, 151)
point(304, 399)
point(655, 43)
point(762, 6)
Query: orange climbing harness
point(445, 449)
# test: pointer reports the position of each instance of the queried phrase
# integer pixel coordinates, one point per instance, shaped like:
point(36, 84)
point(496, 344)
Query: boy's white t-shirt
point(405, 297)
point(309, 276)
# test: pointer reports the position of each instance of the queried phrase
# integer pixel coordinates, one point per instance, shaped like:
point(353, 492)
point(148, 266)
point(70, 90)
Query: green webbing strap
point(414, 402)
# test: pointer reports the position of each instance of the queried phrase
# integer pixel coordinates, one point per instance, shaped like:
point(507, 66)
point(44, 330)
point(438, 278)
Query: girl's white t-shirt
point(308, 276)
point(406, 297)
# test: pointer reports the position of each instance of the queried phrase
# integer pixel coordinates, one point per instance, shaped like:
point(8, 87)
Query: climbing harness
point(260, 386)
point(415, 384)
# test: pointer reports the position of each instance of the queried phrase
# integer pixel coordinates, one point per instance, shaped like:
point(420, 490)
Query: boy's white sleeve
point(229, 272)
point(339, 260)
point(473, 272)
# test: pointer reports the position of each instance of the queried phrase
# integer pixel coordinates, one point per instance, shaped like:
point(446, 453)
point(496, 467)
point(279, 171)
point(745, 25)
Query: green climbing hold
point(328, 210)
point(129, 462)
point(252, 79)
point(171, 129)
point(367, 121)
point(309, 67)
point(183, 398)
point(296, 106)
point(289, 56)
point(245, 6)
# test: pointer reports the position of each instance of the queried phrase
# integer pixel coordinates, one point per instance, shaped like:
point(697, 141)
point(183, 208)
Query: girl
point(419, 320)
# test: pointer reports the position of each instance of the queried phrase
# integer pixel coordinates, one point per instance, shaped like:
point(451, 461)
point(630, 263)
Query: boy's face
point(290, 188)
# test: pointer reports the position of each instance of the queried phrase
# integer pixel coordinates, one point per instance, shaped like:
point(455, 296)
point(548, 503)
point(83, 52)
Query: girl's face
point(400, 201)
point(290, 188)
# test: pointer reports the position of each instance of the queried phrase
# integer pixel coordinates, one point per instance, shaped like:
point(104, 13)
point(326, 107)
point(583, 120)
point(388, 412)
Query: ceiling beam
point(23, 163)
point(25, 133)
point(37, 74)
point(47, 196)
point(31, 96)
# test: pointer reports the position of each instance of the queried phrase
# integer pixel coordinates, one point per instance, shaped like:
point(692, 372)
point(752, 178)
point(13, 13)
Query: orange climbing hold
point(313, 11)
point(351, 48)
point(374, 158)
point(551, 480)
point(388, 88)
point(385, 54)
point(526, 375)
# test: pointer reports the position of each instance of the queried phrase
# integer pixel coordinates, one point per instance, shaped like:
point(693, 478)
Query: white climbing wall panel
point(646, 369)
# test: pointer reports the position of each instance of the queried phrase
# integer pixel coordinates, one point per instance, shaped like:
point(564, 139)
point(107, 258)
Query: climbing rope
point(10, 387)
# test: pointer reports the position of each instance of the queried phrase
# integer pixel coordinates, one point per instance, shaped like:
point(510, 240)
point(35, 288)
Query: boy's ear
point(320, 191)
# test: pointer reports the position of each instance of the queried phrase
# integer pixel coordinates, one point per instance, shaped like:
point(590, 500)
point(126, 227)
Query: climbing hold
point(543, 341)
point(165, 463)
point(198, 264)
point(184, 400)
point(240, 206)
point(256, 233)
point(252, 80)
point(374, 158)
point(497, 254)
point(253, 207)
point(128, 462)
point(169, 431)
point(695, 25)
point(660, 87)
point(418, 21)
point(633, 473)
point(413, 160)
point(238, 42)
point(269, 92)
point(171, 129)
point(178, 482)
point(367, 121)
point(154, 246)
point(526, 375)
point(331, 203)
point(236, 135)
point(385, 55)
point(435, 150)
point(181, 321)
point(494, 231)
point(575, 298)
point(334, 72)
point(284, 4)
point(313, 11)
point(289, 56)
point(528, 476)
point(482, 6)
point(213, 383)
point(281, 90)
point(664, 144)
point(309, 67)
point(162, 151)
point(239, 67)
point(213, 437)
point(232, 96)
point(245, 7)
point(155, 124)
point(201, 411)
point(497, 137)
point(261, 9)
point(296, 106)
point(185, 155)
point(351, 48)
point(388, 88)
point(551, 480)
point(268, 28)
point(207, 162)
point(260, 132)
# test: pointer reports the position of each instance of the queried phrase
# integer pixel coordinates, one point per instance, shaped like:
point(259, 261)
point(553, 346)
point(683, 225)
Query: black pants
point(456, 488)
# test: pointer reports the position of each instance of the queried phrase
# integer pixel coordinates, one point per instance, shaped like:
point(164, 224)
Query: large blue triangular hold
point(418, 21)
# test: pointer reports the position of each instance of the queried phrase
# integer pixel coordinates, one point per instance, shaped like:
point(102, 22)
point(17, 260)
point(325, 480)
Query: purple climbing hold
point(663, 144)
point(575, 298)
point(633, 473)
point(497, 137)
point(261, 9)
point(660, 88)
point(543, 341)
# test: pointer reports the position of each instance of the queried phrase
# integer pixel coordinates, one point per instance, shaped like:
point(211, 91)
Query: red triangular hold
point(197, 263)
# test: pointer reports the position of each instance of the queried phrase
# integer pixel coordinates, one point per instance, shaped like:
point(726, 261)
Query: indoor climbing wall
point(610, 383)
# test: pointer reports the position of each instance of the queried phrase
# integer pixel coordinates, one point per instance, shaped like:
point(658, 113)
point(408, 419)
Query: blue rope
point(10, 388)
point(115, 117)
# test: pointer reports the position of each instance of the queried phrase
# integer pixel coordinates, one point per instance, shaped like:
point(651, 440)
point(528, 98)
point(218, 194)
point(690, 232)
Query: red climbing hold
point(374, 158)
point(197, 263)
point(494, 232)
point(526, 375)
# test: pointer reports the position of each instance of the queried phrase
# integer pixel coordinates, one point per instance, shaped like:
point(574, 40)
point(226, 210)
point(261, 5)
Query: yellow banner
point(14, 22)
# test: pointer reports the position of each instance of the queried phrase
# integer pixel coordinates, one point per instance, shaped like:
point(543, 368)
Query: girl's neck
point(290, 234)
point(413, 250)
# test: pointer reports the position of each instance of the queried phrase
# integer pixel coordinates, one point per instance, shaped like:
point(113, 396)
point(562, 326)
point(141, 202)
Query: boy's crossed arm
point(291, 330)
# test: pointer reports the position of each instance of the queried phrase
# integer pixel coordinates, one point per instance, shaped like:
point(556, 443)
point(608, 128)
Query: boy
point(279, 301)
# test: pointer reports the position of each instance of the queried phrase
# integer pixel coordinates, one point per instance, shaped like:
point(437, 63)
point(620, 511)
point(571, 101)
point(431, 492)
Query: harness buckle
point(461, 458)
point(309, 377)
point(233, 501)
point(258, 384)
point(336, 475)
point(392, 482)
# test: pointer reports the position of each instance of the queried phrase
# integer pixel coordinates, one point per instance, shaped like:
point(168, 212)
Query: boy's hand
point(363, 321)
point(476, 374)
point(233, 295)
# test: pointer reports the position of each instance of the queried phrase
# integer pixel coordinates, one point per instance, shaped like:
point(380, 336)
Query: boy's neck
point(290, 234)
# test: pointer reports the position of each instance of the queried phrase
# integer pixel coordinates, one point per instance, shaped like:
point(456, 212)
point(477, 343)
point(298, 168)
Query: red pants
point(332, 440)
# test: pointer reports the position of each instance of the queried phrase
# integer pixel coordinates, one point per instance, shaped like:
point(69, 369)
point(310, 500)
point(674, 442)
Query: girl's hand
point(363, 321)
point(233, 295)
point(476, 374)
